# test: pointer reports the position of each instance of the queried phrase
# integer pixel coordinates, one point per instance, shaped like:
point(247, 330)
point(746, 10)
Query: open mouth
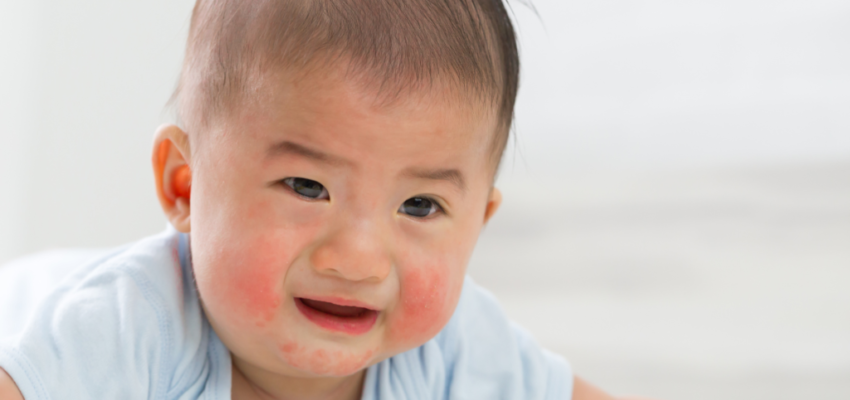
point(347, 319)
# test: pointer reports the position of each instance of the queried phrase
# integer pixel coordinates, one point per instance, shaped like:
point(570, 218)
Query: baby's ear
point(493, 203)
point(173, 175)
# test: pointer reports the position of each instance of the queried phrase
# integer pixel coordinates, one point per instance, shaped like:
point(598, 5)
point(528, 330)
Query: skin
point(257, 245)
point(8, 389)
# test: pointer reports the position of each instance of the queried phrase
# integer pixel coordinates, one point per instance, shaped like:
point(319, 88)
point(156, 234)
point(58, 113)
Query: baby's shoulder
point(26, 281)
point(130, 313)
point(147, 271)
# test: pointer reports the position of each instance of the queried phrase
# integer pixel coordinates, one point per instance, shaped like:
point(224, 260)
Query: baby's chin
point(320, 359)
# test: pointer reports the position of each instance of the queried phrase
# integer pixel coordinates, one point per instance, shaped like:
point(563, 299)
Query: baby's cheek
point(254, 283)
point(257, 287)
point(427, 299)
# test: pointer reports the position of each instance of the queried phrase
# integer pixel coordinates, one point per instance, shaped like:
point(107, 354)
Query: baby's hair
point(396, 45)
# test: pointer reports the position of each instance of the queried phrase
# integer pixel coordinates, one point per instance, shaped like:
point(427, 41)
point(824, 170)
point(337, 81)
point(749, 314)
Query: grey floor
point(704, 284)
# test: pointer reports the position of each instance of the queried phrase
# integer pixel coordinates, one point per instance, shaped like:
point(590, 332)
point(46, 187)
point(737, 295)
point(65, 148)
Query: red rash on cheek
point(423, 309)
point(255, 283)
point(261, 300)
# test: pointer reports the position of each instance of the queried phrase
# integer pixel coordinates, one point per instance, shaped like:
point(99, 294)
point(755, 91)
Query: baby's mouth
point(347, 319)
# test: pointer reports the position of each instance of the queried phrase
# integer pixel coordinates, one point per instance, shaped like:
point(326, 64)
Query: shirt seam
point(23, 364)
point(152, 297)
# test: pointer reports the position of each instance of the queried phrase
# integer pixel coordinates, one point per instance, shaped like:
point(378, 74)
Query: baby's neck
point(251, 383)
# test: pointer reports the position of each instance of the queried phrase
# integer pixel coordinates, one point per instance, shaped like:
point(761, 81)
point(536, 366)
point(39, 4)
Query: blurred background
point(677, 197)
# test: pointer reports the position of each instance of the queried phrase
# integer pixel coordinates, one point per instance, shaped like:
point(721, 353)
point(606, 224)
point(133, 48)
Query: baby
point(330, 177)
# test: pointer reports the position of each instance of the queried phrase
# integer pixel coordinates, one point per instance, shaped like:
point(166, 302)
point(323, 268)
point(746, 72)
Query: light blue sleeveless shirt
point(127, 324)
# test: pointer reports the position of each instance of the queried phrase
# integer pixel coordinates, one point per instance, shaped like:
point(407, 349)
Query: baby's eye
point(310, 189)
point(419, 207)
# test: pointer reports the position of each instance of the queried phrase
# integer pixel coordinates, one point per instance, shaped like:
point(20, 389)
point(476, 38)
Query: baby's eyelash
point(421, 207)
point(306, 188)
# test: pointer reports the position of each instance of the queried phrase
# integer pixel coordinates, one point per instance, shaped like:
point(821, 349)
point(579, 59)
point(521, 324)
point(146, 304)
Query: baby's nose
point(358, 254)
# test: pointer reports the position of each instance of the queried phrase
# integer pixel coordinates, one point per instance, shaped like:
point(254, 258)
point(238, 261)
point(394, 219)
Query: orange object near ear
point(181, 182)
point(159, 170)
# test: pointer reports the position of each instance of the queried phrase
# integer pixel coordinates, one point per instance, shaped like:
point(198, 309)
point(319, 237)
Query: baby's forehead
point(335, 101)
point(397, 48)
point(332, 120)
point(346, 81)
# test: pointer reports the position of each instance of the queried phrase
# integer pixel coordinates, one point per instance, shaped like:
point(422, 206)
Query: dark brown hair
point(398, 45)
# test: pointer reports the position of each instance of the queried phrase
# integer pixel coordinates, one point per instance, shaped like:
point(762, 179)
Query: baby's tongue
point(334, 309)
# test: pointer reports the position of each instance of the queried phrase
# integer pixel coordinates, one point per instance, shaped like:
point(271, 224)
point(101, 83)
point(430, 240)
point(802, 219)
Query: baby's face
point(329, 233)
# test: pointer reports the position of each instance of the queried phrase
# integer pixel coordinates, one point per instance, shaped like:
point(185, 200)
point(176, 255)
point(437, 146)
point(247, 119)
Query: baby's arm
point(8, 388)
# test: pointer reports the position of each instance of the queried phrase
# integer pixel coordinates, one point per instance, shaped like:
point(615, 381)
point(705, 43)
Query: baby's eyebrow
point(451, 175)
point(286, 147)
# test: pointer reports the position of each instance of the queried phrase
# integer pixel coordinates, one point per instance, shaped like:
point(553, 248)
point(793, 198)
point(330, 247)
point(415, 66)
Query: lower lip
point(352, 326)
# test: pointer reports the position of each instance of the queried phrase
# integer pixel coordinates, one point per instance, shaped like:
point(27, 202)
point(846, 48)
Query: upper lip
point(340, 301)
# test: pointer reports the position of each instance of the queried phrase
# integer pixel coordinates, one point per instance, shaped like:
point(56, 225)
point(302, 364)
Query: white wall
point(635, 84)
point(17, 31)
point(84, 87)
